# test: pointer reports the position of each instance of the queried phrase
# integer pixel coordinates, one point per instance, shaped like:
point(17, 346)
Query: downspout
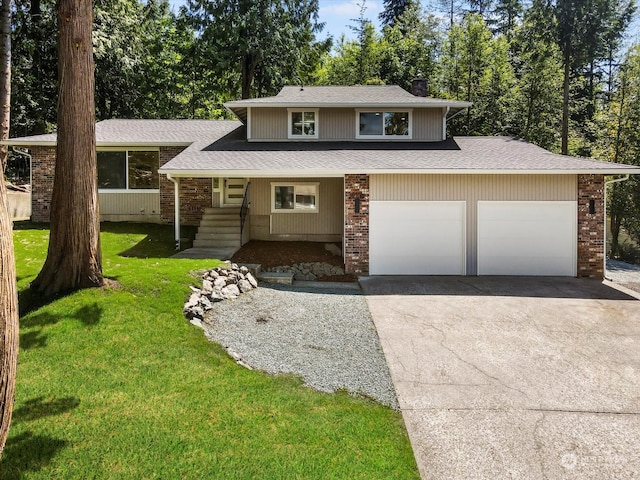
point(176, 203)
point(444, 122)
point(606, 184)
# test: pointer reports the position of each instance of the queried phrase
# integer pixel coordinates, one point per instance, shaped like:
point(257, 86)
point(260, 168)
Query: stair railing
point(244, 209)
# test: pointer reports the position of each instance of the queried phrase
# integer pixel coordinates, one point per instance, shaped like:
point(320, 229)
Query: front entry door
point(234, 190)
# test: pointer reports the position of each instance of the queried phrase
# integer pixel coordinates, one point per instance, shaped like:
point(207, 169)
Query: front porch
point(231, 211)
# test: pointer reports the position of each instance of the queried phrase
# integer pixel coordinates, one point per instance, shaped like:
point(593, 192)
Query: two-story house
point(370, 166)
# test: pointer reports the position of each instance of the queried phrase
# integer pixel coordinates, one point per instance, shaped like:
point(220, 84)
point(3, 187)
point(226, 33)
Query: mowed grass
point(114, 383)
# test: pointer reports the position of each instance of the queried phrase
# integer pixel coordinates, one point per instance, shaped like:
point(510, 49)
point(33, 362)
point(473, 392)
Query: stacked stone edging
point(308, 271)
point(218, 284)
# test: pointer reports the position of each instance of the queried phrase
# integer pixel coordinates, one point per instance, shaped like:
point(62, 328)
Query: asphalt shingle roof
point(366, 95)
point(145, 132)
point(219, 148)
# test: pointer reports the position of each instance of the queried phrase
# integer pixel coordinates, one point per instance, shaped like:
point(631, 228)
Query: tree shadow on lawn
point(159, 241)
point(31, 327)
point(26, 452)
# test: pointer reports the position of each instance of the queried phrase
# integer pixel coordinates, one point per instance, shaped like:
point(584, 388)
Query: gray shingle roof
point(218, 148)
point(232, 155)
point(120, 132)
point(369, 96)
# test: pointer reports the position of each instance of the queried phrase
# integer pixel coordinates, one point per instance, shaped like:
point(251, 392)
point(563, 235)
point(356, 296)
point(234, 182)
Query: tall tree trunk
point(8, 291)
point(565, 100)
point(74, 258)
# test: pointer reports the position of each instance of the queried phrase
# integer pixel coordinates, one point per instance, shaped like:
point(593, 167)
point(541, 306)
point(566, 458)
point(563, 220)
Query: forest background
point(562, 74)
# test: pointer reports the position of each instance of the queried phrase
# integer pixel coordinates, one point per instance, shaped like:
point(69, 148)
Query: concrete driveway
point(524, 378)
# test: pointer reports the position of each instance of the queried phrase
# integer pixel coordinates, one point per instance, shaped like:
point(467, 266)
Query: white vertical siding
point(129, 203)
point(472, 188)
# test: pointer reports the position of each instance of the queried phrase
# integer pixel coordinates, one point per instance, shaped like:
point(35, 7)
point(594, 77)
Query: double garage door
point(509, 238)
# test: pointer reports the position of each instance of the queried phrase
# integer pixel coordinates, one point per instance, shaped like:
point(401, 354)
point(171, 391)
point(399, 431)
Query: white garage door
point(417, 238)
point(527, 238)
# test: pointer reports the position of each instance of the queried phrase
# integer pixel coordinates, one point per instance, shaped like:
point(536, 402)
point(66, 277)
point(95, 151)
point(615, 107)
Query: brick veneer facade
point(356, 228)
point(591, 226)
point(43, 166)
point(195, 194)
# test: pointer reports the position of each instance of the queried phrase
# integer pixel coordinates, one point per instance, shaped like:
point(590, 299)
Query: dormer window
point(303, 123)
point(383, 124)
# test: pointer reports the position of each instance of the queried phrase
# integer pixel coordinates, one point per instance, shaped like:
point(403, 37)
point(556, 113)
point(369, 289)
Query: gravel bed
point(324, 335)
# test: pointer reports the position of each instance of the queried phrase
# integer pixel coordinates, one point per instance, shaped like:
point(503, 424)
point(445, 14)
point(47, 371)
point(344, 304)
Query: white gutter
point(204, 173)
point(176, 201)
point(27, 154)
point(606, 184)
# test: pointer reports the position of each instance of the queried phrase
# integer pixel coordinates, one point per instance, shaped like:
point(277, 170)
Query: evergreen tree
point(394, 9)
point(246, 37)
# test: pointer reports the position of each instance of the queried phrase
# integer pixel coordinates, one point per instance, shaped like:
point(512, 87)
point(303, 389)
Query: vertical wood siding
point(268, 123)
point(337, 124)
point(328, 221)
point(472, 188)
point(129, 203)
point(427, 124)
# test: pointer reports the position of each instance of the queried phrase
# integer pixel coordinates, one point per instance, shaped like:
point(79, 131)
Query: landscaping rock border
point(219, 283)
point(308, 271)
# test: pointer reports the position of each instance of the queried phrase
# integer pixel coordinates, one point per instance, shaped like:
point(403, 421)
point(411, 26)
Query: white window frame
point(303, 136)
point(126, 150)
point(383, 136)
point(294, 185)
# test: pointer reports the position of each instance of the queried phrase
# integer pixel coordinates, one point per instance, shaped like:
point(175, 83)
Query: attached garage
point(527, 238)
point(417, 238)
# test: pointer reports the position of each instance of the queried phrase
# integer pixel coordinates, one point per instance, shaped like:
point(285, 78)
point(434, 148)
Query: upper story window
point(303, 123)
point(128, 170)
point(387, 125)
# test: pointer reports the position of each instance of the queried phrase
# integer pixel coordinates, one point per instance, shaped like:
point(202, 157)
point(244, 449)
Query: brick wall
point(195, 193)
point(43, 166)
point(356, 245)
point(590, 226)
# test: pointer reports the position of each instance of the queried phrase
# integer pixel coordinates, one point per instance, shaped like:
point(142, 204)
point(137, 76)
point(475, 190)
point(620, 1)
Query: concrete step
point(220, 223)
point(216, 243)
point(274, 277)
point(218, 236)
point(219, 216)
point(219, 229)
point(222, 211)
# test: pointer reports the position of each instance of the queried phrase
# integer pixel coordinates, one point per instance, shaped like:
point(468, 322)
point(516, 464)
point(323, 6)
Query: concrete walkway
point(527, 378)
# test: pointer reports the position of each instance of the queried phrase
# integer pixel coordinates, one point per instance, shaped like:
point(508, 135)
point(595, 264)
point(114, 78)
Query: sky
point(336, 14)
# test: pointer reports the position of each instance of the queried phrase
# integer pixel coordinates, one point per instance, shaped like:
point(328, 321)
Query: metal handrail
point(244, 209)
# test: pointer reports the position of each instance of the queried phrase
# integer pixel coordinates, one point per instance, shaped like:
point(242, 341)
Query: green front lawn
point(114, 383)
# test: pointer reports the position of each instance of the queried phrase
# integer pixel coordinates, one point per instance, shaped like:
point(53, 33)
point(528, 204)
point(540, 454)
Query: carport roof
point(219, 148)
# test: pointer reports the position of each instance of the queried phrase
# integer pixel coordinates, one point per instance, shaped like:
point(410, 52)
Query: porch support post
point(176, 204)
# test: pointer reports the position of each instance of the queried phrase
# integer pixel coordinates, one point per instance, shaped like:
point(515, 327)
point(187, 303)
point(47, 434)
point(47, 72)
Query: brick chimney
point(419, 87)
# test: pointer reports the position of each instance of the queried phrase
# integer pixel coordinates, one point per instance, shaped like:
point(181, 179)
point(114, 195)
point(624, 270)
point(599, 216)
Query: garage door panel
point(417, 238)
point(527, 238)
